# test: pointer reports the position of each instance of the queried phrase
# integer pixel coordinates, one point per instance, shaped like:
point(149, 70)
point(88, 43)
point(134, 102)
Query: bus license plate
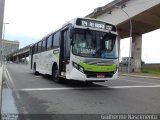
point(100, 75)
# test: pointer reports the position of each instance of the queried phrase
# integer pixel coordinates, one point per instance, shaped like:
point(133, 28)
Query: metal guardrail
point(1, 86)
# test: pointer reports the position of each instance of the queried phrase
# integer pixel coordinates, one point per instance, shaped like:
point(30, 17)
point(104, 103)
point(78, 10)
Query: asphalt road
point(40, 95)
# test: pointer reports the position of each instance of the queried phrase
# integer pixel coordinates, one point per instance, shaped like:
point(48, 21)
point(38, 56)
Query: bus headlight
point(116, 69)
point(75, 65)
point(78, 67)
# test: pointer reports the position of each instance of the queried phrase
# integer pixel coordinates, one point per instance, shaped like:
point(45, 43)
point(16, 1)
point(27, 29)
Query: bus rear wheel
point(55, 75)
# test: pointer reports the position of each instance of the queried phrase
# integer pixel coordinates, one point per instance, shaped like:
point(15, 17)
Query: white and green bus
point(83, 49)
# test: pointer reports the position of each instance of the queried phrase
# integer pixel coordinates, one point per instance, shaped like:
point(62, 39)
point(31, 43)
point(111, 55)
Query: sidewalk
point(1, 82)
point(8, 105)
point(8, 102)
point(142, 75)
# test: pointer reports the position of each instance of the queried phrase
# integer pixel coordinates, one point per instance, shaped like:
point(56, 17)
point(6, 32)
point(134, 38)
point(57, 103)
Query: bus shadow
point(73, 83)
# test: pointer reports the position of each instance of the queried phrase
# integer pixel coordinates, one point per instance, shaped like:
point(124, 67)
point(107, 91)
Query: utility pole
point(130, 35)
point(2, 4)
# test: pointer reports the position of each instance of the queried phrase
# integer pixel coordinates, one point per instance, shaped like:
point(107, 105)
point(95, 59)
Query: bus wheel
point(34, 70)
point(55, 75)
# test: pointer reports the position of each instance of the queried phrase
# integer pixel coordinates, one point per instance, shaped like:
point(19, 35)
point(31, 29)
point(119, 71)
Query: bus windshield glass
point(94, 44)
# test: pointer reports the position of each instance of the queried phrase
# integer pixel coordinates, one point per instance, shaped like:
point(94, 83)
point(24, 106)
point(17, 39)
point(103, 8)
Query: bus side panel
point(47, 60)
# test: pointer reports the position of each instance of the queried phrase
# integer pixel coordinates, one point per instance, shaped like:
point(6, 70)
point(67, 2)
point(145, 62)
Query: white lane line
point(87, 88)
point(63, 88)
point(139, 82)
point(141, 86)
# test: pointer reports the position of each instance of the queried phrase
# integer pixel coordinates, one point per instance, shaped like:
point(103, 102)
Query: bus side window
point(56, 40)
point(42, 49)
point(49, 42)
point(39, 47)
point(43, 45)
point(35, 48)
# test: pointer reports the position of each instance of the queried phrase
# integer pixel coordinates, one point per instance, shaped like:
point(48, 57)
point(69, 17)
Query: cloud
point(38, 17)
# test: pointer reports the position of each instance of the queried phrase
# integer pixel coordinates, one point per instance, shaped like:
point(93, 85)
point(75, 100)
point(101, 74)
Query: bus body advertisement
point(83, 49)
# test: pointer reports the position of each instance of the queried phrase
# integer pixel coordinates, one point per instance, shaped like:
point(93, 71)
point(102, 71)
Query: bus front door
point(64, 42)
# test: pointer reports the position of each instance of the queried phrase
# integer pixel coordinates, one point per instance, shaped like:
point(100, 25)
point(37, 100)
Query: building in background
point(9, 46)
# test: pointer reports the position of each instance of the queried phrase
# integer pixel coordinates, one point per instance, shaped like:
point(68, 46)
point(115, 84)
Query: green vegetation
point(151, 71)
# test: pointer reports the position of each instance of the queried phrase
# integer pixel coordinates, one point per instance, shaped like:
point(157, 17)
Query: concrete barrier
point(1, 86)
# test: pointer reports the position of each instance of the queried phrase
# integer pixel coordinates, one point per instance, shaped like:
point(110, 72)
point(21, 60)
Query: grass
point(151, 71)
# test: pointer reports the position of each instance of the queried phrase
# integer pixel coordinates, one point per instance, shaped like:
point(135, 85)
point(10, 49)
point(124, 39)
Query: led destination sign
point(95, 24)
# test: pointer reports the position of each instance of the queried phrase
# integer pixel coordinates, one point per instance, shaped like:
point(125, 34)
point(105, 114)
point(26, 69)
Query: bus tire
point(55, 75)
point(34, 69)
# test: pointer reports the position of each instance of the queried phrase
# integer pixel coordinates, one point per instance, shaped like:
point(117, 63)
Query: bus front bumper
point(77, 75)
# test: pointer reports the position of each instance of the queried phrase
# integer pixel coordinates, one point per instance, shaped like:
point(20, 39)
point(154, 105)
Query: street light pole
point(130, 34)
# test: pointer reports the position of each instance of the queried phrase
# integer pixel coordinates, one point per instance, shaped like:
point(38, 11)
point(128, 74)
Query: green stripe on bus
point(95, 68)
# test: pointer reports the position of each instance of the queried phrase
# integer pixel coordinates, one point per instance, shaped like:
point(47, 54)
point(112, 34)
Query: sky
point(30, 20)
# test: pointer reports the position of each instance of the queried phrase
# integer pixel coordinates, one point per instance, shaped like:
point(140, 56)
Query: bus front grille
point(94, 74)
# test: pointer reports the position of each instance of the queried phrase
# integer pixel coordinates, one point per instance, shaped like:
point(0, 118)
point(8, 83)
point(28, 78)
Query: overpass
point(19, 54)
point(143, 15)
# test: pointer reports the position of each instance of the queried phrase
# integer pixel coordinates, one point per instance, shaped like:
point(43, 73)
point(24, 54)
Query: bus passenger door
point(64, 52)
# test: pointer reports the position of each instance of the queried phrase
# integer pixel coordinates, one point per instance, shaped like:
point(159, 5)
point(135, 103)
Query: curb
point(1, 86)
point(141, 76)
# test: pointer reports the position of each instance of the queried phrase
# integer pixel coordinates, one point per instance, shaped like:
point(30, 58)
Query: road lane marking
point(87, 88)
point(63, 88)
point(141, 86)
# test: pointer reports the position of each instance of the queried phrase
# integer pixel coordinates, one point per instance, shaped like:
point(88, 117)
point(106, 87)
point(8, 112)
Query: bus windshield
point(94, 44)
